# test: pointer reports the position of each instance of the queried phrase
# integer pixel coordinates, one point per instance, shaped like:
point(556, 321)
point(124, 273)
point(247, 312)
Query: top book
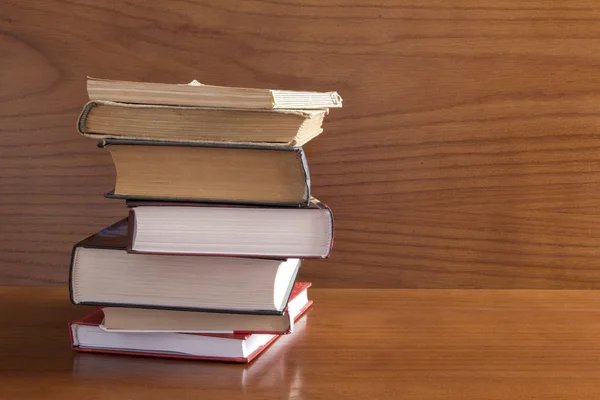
point(200, 95)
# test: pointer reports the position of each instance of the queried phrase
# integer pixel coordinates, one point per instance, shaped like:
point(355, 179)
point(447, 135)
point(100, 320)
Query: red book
point(87, 336)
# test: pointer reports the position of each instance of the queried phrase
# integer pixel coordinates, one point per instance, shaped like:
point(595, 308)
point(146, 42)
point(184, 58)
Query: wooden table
point(363, 344)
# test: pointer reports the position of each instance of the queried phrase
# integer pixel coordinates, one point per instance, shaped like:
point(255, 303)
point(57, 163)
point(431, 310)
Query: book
point(275, 366)
point(209, 173)
point(103, 273)
point(102, 119)
point(87, 336)
point(197, 94)
point(205, 229)
point(120, 319)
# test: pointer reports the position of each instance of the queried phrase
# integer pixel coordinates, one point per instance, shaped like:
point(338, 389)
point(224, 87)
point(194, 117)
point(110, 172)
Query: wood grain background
point(467, 154)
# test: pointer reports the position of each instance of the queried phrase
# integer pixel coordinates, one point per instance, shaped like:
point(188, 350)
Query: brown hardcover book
point(215, 229)
point(103, 273)
point(105, 119)
point(209, 173)
point(143, 320)
point(197, 94)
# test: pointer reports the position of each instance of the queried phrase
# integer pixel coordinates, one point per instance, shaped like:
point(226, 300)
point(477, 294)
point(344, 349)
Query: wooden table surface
point(363, 344)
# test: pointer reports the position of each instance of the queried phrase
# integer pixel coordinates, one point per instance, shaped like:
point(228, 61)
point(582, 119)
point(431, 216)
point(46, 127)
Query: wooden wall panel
point(467, 154)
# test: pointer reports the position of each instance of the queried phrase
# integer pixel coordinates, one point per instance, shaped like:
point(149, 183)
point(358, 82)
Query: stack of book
point(220, 218)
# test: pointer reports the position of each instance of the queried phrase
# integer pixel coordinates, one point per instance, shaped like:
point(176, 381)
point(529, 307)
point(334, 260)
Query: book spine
point(304, 162)
point(82, 120)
